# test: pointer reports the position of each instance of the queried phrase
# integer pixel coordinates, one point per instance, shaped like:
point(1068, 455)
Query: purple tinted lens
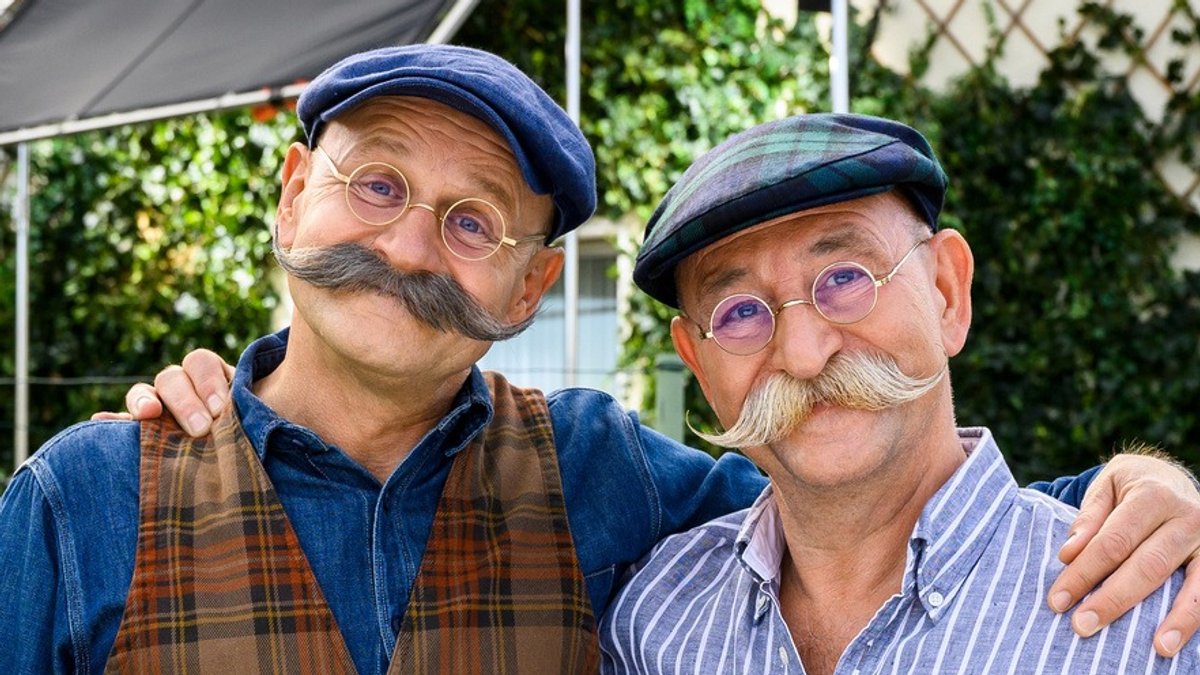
point(742, 324)
point(844, 293)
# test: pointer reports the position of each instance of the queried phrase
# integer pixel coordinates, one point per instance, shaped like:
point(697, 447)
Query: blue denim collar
point(471, 411)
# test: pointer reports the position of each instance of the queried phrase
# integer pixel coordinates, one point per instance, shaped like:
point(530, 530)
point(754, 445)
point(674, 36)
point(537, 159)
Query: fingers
point(1136, 578)
point(210, 376)
point(194, 393)
point(142, 402)
point(1182, 621)
point(1098, 503)
point(1152, 530)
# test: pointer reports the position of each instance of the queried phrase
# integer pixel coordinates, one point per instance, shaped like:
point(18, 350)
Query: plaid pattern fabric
point(500, 590)
point(781, 167)
point(220, 583)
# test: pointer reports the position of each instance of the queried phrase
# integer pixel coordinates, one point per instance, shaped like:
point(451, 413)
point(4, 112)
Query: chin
point(833, 448)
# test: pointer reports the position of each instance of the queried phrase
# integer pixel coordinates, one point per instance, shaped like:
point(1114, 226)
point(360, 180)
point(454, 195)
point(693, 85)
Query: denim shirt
point(69, 519)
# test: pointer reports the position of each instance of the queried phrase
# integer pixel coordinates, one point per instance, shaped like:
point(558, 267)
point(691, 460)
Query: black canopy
point(64, 60)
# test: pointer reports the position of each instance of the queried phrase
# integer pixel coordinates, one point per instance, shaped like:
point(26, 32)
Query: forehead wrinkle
point(847, 239)
point(386, 146)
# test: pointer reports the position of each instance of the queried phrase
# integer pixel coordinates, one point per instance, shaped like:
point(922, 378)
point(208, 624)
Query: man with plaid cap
point(819, 307)
point(372, 502)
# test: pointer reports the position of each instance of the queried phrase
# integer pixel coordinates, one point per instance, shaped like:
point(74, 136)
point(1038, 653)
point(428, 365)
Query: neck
point(847, 544)
point(375, 418)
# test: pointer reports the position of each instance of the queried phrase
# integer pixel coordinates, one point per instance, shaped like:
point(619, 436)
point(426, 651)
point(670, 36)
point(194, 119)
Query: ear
point(686, 337)
point(294, 178)
point(955, 269)
point(540, 274)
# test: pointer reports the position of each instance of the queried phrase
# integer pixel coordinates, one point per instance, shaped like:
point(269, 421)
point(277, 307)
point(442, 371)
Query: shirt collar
point(959, 521)
point(951, 534)
point(471, 410)
point(760, 543)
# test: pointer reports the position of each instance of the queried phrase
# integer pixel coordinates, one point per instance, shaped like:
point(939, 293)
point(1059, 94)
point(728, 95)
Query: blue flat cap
point(553, 155)
point(778, 168)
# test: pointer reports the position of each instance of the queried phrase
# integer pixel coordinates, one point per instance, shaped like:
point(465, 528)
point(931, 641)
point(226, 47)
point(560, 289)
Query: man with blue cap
point(820, 305)
point(371, 502)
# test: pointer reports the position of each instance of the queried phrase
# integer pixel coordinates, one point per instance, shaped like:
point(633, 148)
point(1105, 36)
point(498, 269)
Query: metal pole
point(571, 272)
point(21, 217)
point(838, 60)
point(455, 17)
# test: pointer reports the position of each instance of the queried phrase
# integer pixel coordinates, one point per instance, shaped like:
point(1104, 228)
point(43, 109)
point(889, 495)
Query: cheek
point(729, 383)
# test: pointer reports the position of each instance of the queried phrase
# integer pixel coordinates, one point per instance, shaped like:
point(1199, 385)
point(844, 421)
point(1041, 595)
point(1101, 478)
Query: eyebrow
point(846, 239)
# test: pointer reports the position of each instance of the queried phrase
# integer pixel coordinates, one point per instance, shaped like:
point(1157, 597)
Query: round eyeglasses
point(378, 194)
point(843, 293)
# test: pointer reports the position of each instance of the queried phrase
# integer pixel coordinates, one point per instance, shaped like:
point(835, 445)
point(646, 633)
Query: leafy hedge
point(146, 242)
point(1084, 336)
point(152, 240)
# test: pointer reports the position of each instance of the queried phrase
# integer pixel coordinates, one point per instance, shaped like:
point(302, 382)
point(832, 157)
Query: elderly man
point(373, 501)
point(819, 308)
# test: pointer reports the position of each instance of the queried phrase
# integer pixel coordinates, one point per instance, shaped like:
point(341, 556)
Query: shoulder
point(689, 578)
point(686, 564)
point(91, 446)
point(583, 410)
point(87, 466)
point(1044, 510)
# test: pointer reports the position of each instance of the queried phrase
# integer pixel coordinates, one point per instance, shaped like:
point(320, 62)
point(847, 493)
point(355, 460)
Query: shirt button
point(783, 656)
point(936, 599)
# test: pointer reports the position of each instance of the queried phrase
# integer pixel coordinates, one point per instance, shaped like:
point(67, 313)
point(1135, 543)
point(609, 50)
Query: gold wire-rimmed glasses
point(843, 293)
point(378, 193)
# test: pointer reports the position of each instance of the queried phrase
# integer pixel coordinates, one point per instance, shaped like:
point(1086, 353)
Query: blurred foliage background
point(150, 241)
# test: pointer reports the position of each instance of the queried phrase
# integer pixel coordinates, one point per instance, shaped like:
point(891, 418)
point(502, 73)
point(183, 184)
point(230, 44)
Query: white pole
point(838, 60)
point(571, 272)
point(451, 22)
point(21, 217)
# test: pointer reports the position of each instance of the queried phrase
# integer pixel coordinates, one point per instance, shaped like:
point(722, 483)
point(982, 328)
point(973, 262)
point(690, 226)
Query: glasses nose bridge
point(791, 303)
point(421, 205)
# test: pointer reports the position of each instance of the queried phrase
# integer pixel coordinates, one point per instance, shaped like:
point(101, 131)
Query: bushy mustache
point(435, 299)
point(859, 381)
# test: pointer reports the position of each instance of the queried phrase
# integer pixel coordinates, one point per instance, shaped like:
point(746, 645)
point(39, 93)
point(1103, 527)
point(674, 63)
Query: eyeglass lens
point(379, 194)
point(842, 293)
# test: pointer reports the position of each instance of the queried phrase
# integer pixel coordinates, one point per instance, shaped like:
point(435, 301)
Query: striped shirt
point(973, 597)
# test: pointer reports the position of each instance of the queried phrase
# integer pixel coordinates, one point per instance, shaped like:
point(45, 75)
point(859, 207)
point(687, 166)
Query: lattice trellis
point(1030, 29)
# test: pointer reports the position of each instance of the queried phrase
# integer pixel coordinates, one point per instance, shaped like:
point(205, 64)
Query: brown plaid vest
point(221, 585)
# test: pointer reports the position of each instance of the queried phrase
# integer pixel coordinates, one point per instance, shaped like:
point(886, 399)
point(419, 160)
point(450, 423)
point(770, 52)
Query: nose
point(804, 341)
point(412, 241)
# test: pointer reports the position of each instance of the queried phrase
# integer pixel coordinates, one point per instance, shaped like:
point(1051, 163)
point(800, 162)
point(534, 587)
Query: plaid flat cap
point(551, 151)
point(782, 167)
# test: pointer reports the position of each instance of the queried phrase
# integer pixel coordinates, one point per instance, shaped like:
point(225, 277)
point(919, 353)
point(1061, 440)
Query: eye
point(378, 186)
point(466, 224)
point(842, 276)
point(738, 309)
